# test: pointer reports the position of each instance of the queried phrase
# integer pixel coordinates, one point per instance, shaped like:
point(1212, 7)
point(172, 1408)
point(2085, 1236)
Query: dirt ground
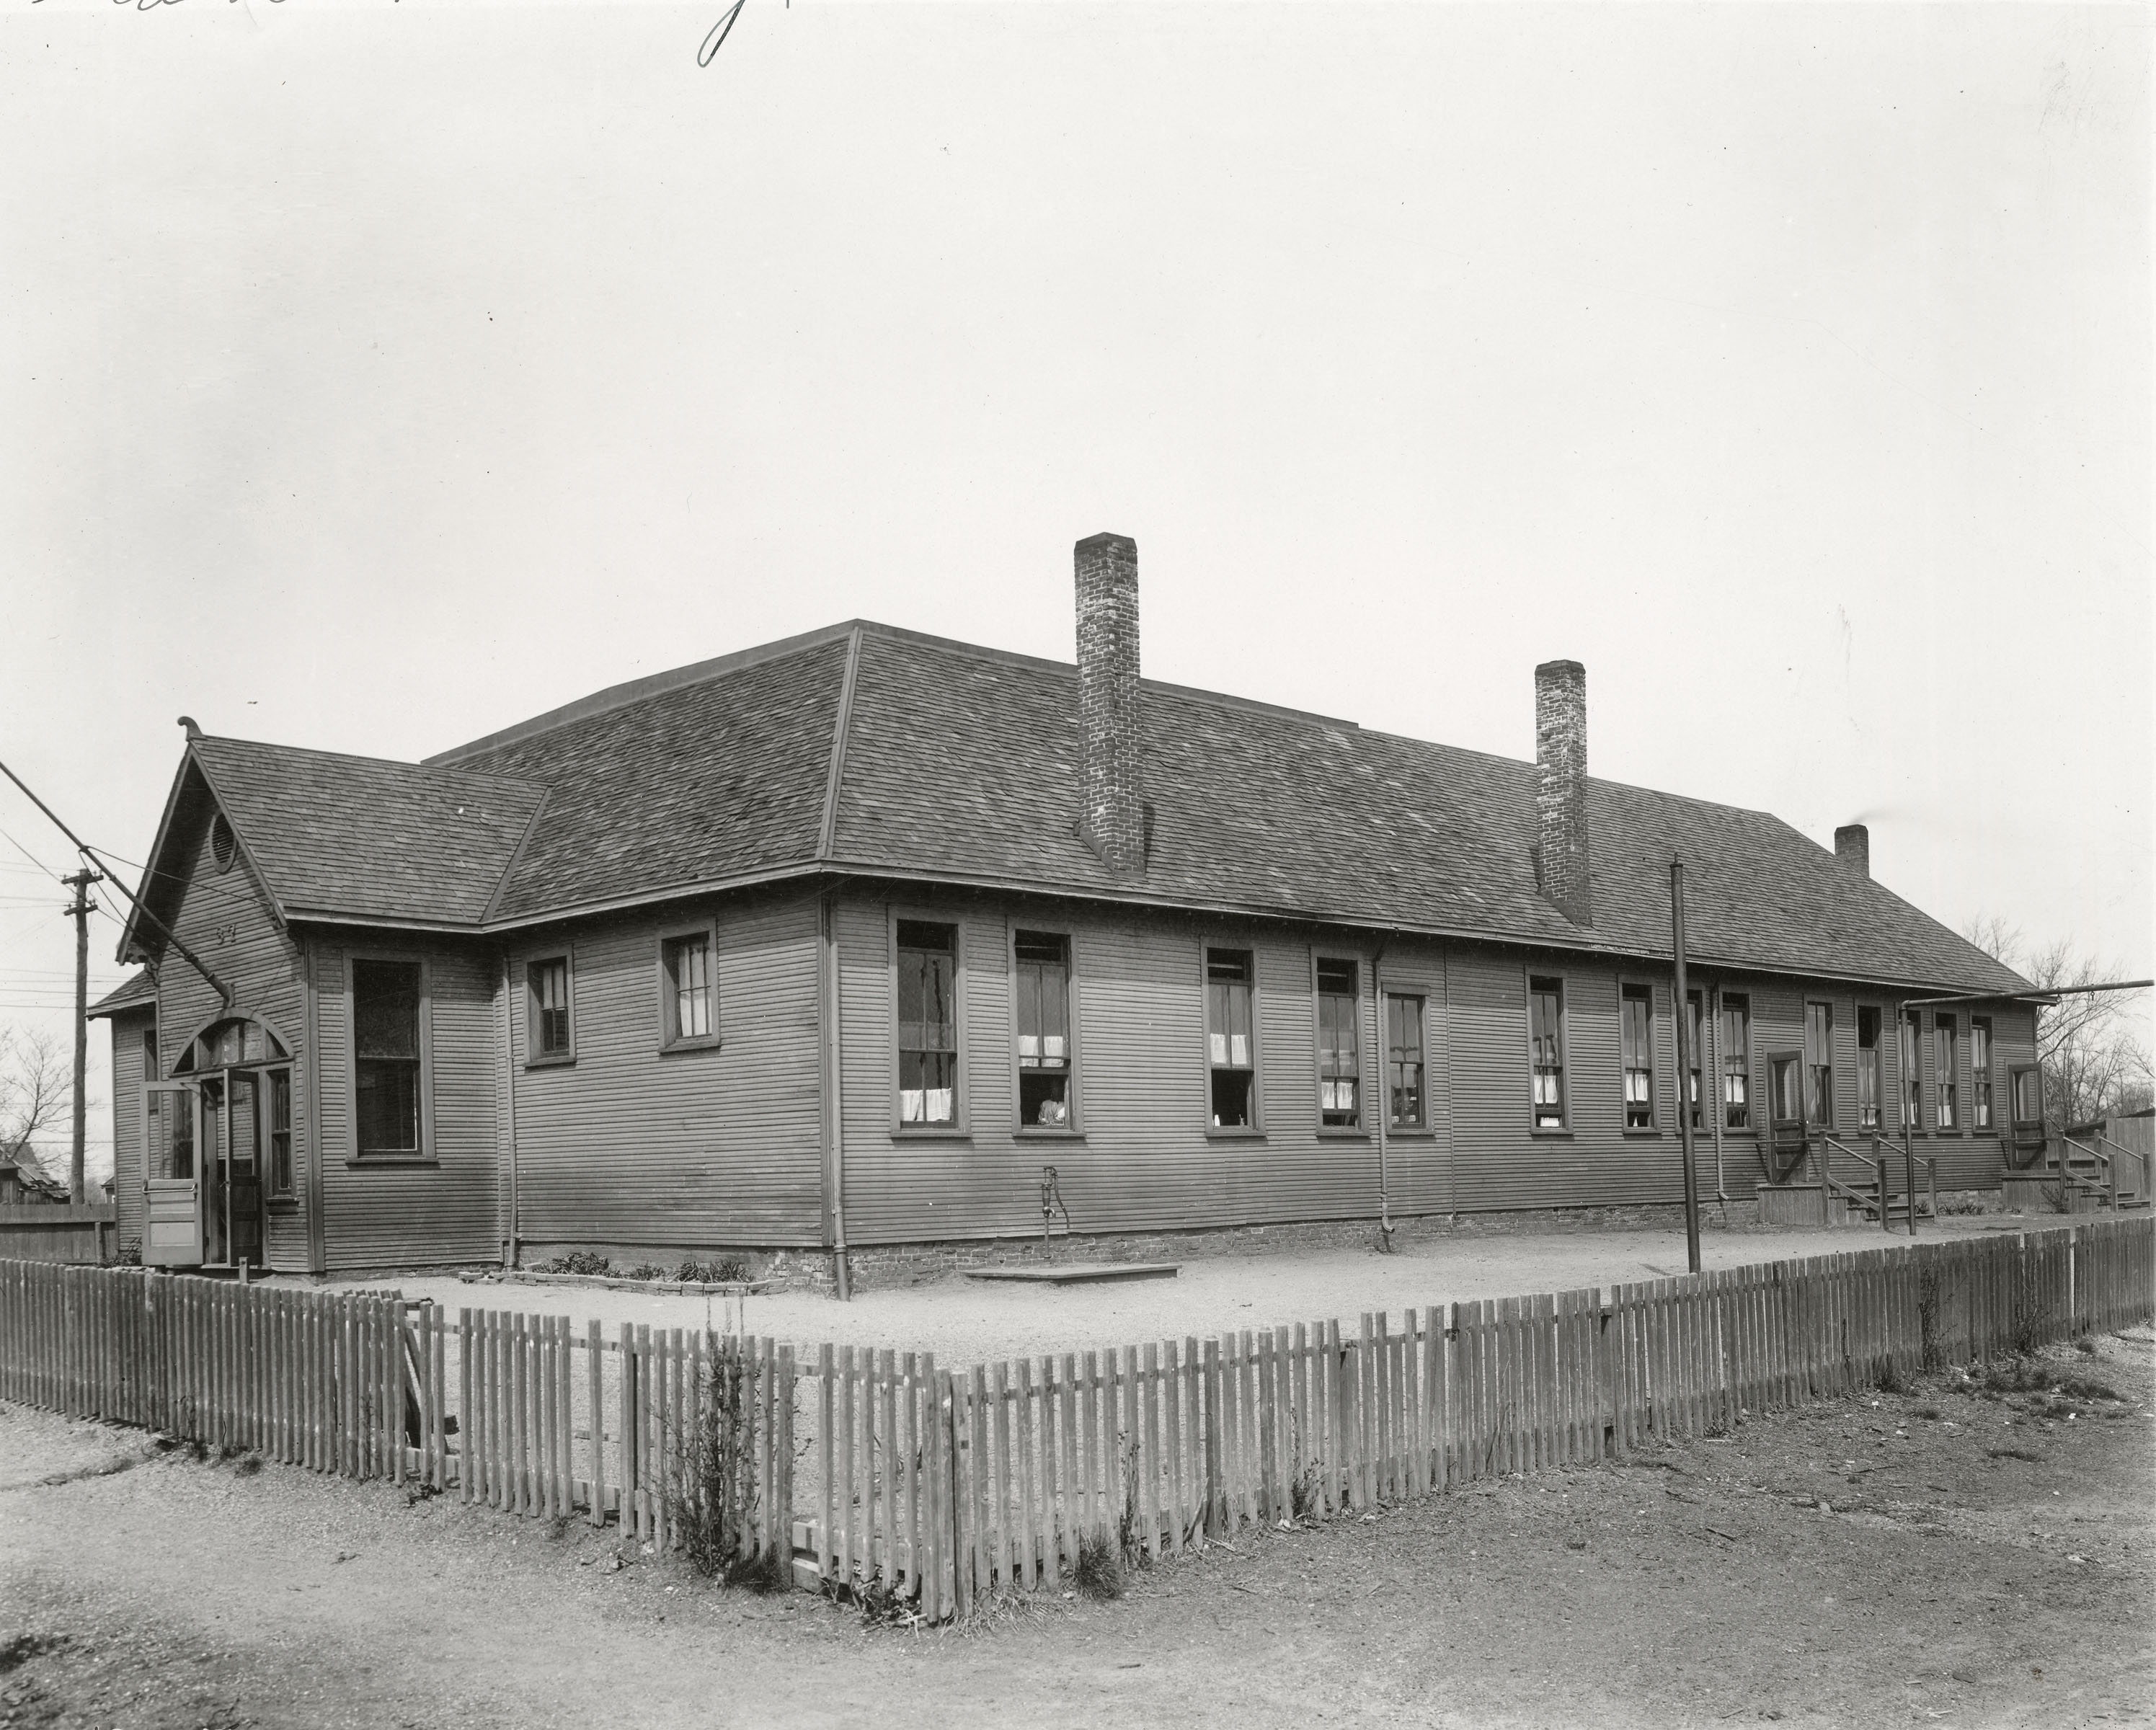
point(1938, 1555)
point(965, 1321)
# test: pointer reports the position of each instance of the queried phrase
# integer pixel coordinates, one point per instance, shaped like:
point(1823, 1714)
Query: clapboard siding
point(714, 1147)
point(1143, 1161)
point(386, 1213)
point(128, 1028)
point(1418, 1163)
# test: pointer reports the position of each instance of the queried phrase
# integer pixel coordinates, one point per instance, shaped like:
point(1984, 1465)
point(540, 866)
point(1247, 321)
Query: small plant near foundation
point(576, 1261)
point(725, 1271)
point(1098, 1575)
point(644, 1270)
point(711, 1493)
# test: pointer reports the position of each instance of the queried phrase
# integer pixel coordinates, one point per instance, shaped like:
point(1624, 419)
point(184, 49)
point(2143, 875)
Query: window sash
point(1044, 1007)
point(1339, 1051)
point(1405, 1062)
point(1913, 1084)
point(1736, 1061)
point(280, 1131)
point(1944, 1034)
point(1980, 1073)
point(1546, 1051)
point(549, 1007)
point(927, 1024)
point(1228, 1042)
point(1819, 1064)
point(1637, 1009)
point(688, 987)
point(1696, 1032)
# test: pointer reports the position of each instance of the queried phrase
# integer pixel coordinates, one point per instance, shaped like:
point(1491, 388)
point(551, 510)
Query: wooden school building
point(836, 946)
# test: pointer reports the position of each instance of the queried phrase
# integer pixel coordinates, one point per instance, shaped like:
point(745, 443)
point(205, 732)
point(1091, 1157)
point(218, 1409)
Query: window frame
point(1563, 1127)
point(534, 1058)
point(1909, 1064)
point(1877, 1126)
point(671, 1039)
point(961, 1126)
point(1744, 1063)
point(1946, 1078)
point(426, 1154)
point(1983, 1108)
point(1387, 997)
point(1359, 1130)
point(1254, 1130)
point(1829, 1119)
point(273, 1192)
point(1074, 1129)
point(1627, 988)
point(1691, 1084)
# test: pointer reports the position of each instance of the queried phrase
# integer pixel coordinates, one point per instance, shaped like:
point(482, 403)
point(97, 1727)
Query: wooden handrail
point(1831, 1185)
point(2138, 1157)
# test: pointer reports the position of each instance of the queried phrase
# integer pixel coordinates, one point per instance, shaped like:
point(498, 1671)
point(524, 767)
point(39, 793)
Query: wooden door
point(1785, 1114)
point(173, 1219)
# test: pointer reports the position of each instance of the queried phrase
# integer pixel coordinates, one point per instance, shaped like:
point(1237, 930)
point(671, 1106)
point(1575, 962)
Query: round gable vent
point(223, 847)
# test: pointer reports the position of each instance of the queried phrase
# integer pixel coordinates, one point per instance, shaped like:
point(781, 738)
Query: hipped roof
point(878, 751)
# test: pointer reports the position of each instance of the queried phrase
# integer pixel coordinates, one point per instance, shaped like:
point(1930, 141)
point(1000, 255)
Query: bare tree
point(37, 1093)
point(2095, 1062)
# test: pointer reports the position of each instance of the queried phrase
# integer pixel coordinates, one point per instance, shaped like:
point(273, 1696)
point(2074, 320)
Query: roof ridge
point(387, 762)
point(841, 724)
point(635, 691)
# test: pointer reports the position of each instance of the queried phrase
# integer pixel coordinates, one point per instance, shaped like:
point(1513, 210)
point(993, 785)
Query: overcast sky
point(375, 375)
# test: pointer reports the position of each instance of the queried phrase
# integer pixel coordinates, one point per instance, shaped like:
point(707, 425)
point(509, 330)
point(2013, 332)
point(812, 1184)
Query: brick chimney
point(1113, 817)
point(1852, 847)
point(1561, 786)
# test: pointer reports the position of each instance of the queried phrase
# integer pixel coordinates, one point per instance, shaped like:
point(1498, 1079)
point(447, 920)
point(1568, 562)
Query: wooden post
point(1684, 1065)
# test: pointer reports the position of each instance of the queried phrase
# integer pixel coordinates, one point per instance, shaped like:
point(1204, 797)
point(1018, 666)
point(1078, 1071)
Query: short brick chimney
point(1111, 818)
point(1852, 847)
point(1561, 786)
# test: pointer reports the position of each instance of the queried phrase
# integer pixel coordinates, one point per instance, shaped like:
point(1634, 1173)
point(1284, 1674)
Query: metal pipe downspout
point(1710, 1019)
point(1383, 1055)
point(513, 1249)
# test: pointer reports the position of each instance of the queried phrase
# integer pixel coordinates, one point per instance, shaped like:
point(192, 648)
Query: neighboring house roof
point(137, 991)
point(887, 753)
point(30, 1173)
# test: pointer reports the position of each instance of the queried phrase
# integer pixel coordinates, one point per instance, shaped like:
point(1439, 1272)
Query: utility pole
point(80, 912)
point(1684, 1066)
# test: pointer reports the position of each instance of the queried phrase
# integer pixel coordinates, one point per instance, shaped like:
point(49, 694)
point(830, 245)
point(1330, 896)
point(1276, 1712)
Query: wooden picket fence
point(890, 1474)
point(944, 1486)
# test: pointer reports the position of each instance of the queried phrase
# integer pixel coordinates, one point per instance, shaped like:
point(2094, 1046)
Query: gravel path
point(965, 1321)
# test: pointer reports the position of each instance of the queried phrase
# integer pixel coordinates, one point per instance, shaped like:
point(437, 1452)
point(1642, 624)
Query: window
point(1912, 1097)
point(927, 1024)
point(1403, 1062)
point(1735, 1060)
point(1696, 1032)
point(688, 990)
point(1979, 1071)
point(223, 844)
point(1819, 1064)
point(280, 1131)
point(2028, 1091)
point(385, 1015)
point(1867, 1066)
point(549, 1034)
point(1944, 1037)
point(1043, 1030)
point(1546, 1050)
point(1230, 1050)
point(1339, 1050)
point(149, 1054)
point(1636, 1008)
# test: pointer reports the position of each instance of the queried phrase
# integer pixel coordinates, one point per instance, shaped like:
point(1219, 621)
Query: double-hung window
point(1735, 1060)
point(1546, 1050)
point(1044, 1056)
point(548, 1030)
point(1636, 1008)
point(688, 989)
point(1819, 1064)
point(1696, 1032)
point(1867, 1066)
point(1912, 1086)
point(1230, 1049)
point(385, 997)
point(1405, 1062)
point(1339, 1045)
point(1979, 1071)
point(1943, 1035)
point(928, 1024)
point(280, 1133)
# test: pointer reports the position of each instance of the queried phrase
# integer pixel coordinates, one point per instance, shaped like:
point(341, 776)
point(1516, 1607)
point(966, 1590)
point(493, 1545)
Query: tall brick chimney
point(1561, 786)
point(1852, 847)
point(1113, 817)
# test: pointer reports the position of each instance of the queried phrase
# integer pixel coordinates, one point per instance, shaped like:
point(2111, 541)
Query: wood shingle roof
point(882, 752)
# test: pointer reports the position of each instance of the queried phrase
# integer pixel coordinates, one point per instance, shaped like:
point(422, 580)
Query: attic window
point(224, 846)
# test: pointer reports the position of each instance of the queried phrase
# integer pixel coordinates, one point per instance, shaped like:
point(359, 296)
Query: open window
point(1046, 1060)
point(688, 990)
point(1230, 1041)
point(1735, 1060)
point(1867, 1067)
point(1945, 1044)
point(1819, 1064)
point(927, 956)
point(1405, 1061)
point(1339, 1044)
point(1546, 1051)
point(1695, 1057)
point(1979, 1072)
point(1635, 1005)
